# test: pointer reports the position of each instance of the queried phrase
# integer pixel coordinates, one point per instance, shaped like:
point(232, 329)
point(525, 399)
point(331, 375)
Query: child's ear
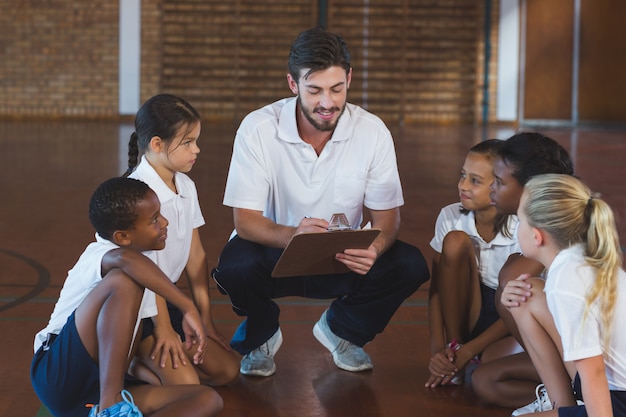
point(121, 238)
point(156, 144)
point(539, 236)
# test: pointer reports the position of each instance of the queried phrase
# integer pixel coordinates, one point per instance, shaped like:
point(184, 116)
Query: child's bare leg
point(508, 381)
point(149, 370)
point(220, 367)
point(140, 371)
point(543, 344)
point(177, 400)
point(459, 289)
point(105, 321)
point(516, 265)
point(435, 315)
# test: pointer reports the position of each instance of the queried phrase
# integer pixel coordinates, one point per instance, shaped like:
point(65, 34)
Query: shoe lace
point(344, 346)
point(130, 403)
point(542, 398)
point(264, 349)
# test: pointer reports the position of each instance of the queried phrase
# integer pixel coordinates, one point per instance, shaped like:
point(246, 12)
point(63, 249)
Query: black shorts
point(176, 318)
point(488, 313)
point(618, 401)
point(63, 374)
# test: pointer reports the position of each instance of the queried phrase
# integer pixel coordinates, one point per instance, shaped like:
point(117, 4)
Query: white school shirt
point(273, 170)
point(569, 280)
point(490, 256)
point(81, 279)
point(181, 210)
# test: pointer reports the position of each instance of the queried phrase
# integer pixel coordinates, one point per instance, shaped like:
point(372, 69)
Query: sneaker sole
point(258, 373)
point(319, 335)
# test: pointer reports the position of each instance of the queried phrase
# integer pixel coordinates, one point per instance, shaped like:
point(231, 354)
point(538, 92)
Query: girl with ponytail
point(569, 323)
point(161, 151)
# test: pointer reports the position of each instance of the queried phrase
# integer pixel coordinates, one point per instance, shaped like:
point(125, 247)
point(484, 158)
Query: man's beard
point(325, 126)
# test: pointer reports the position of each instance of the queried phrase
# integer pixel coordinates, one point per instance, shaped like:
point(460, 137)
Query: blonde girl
point(569, 323)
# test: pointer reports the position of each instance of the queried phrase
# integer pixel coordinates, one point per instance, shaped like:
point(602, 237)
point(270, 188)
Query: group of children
point(91, 354)
point(527, 284)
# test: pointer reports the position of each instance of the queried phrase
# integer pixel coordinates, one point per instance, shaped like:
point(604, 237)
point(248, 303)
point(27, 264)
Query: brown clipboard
point(314, 253)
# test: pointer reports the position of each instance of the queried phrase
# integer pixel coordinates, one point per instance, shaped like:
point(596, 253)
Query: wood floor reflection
point(51, 169)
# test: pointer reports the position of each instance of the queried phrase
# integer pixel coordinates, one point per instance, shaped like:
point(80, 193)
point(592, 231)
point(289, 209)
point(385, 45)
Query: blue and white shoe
point(125, 408)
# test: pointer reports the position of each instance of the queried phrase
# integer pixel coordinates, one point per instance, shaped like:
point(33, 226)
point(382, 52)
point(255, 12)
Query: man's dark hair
point(317, 49)
point(531, 153)
point(113, 206)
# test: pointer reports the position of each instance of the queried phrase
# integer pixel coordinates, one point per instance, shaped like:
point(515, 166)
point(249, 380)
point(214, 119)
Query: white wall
point(130, 56)
point(508, 61)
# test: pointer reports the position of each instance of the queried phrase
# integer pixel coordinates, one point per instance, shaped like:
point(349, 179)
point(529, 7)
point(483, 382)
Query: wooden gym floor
point(51, 169)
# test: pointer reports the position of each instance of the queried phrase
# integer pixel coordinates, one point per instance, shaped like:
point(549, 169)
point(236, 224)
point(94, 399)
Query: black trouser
point(363, 304)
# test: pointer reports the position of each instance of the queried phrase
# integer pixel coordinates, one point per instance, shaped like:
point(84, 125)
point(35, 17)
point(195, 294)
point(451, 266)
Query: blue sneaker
point(346, 355)
point(125, 408)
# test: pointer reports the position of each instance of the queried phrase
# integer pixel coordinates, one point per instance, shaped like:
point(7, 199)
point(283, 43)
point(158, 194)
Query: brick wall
point(59, 58)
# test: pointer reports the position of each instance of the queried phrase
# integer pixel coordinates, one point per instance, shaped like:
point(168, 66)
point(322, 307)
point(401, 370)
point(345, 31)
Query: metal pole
point(487, 58)
point(323, 13)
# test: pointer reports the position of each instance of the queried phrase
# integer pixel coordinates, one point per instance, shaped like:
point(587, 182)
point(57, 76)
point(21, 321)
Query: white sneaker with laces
point(260, 362)
point(542, 403)
point(346, 355)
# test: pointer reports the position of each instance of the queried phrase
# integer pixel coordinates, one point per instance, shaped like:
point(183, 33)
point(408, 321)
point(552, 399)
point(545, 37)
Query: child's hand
point(516, 291)
point(214, 335)
point(195, 334)
point(167, 343)
point(442, 368)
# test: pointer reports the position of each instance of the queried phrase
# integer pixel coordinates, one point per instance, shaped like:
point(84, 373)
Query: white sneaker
point(260, 362)
point(346, 355)
point(542, 403)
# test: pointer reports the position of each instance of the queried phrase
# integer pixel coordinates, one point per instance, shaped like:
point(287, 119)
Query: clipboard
point(314, 253)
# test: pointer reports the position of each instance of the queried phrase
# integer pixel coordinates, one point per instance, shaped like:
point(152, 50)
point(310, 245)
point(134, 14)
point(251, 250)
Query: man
point(296, 162)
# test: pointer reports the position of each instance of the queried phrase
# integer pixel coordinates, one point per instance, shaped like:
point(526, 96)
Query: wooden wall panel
point(548, 63)
point(602, 62)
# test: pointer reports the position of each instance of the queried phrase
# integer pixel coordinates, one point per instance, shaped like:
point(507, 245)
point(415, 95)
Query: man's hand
point(312, 225)
point(358, 260)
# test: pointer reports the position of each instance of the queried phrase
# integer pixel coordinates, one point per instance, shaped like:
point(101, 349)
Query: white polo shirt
point(273, 170)
point(183, 213)
point(490, 256)
point(81, 279)
point(569, 281)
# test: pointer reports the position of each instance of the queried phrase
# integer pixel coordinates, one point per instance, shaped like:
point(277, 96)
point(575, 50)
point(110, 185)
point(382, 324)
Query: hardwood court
point(51, 169)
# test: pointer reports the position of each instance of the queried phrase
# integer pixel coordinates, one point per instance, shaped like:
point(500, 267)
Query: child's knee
point(122, 283)
point(457, 244)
